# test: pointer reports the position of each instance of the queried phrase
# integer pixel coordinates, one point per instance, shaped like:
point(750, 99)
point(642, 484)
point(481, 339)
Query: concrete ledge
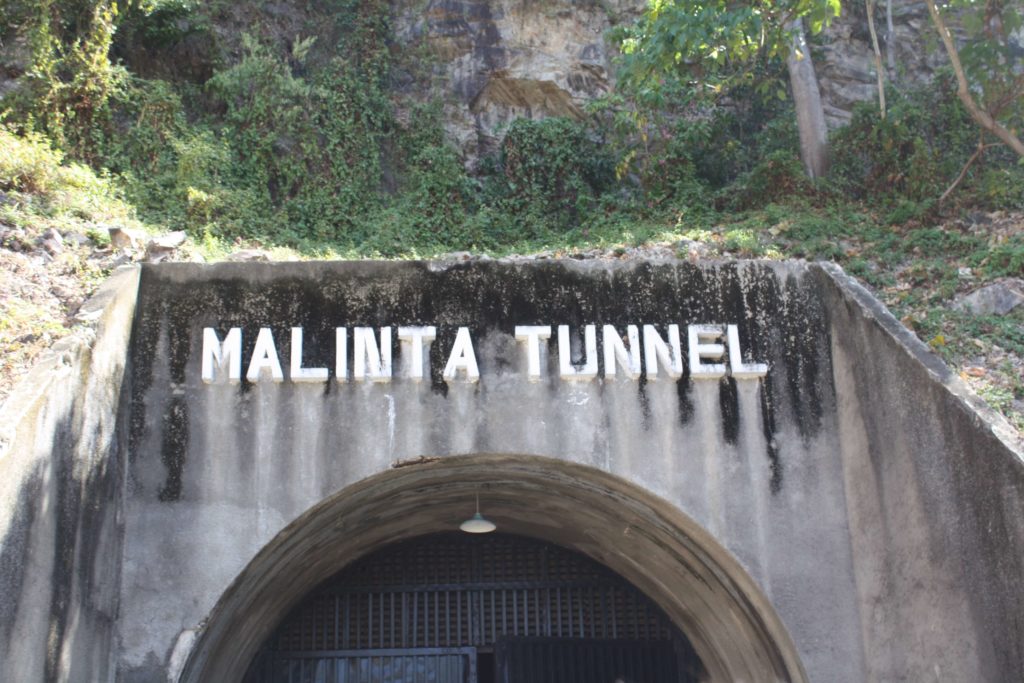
point(909, 344)
point(934, 488)
point(59, 498)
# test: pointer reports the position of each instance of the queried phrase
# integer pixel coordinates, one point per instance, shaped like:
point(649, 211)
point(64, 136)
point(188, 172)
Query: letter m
point(217, 355)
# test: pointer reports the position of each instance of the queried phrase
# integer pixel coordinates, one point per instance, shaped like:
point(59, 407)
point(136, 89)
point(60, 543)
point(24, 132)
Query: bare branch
point(963, 172)
point(980, 116)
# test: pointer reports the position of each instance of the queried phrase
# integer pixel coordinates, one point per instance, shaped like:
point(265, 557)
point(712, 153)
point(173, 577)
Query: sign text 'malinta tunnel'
point(713, 351)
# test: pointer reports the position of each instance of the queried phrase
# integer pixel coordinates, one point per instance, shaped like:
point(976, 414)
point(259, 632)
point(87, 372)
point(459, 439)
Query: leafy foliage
point(993, 56)
point(304, 141)
point(70, 79)
point(40, 189)
point(552, 170)
point(917, 150)
point(707, 47)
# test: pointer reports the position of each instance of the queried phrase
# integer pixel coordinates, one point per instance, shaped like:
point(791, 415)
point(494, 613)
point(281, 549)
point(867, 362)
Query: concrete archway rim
point(648, 540)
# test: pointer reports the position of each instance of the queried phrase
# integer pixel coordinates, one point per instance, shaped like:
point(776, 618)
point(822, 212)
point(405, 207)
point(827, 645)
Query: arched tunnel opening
point(465, 608)
point(673, 597)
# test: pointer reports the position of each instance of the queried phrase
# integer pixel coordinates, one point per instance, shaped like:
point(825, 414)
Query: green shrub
point(27, 163)
point(910, 156)
point(552, 169)
point(777, 177)
point(30, 166)
point(731, 141)
point(1000, 186)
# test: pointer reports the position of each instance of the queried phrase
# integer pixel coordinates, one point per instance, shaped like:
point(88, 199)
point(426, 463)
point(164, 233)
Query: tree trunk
point(879, 74)
point(810, 117)
point(890, 40)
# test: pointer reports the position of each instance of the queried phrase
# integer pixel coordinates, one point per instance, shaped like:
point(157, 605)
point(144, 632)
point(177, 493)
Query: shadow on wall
point(59, 566)
point(60, 499)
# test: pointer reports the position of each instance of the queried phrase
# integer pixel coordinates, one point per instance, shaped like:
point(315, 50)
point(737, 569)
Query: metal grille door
point(457, 609)
point(369, 666)
point(530, 660)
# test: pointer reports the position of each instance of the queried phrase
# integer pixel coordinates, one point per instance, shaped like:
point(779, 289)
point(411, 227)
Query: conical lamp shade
point(477, 525)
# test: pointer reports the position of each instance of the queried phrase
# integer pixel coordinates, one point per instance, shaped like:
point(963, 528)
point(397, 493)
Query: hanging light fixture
point(478, 524)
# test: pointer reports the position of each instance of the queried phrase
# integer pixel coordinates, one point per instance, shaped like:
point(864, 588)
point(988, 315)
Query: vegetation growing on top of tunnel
point(305, 141)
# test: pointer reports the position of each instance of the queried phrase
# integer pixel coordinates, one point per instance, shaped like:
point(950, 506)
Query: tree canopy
point(704, 47)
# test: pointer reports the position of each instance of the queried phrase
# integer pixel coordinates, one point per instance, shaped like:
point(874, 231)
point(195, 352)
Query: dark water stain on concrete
point(779, 320)
point(686, 407)
point(174, 448)
point(769, 426)
point(729, 405)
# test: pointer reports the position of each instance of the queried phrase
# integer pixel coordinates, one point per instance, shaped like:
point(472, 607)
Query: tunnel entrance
point(456, 608)
point(621, 537)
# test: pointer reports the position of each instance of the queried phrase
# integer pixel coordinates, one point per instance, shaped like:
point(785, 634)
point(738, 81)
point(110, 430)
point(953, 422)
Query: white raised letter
point(413, 339)
point(217, 355)
point(699, 338)
point(737, 367)
point(565, 366)
point(669, 354)
point(299, 373)
point(264, 357)
point(341, 354)
point(532, 334)
point(370, 362)
point(615, 350)
point(462, 358)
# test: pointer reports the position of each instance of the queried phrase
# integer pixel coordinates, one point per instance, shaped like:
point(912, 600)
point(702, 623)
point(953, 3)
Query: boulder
point(124, 238)
point(998, 298)
point(162, 247)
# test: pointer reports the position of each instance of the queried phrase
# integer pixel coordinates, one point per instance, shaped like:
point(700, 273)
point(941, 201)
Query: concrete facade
point(850, 515)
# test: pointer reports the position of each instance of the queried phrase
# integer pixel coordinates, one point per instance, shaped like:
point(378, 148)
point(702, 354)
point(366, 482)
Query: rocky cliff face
point(845, 63)
point(495, 60)
point(492, 61)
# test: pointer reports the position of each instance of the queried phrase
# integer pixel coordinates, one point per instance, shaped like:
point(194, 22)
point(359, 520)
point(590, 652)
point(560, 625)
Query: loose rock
point(998, 298)
point(123, 238)
point(162, 248)
point(171, 240)
point(249, 255)
point(51, 242)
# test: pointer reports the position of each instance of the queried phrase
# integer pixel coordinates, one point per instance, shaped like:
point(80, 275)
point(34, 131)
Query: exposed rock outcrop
point(845, 63)
point(496, 60)
point(491, 61)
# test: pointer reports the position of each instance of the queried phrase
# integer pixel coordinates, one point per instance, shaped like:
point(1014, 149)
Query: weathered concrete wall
point(854, 510)
point(935, 499)
point(60, 478)
point(217, 470)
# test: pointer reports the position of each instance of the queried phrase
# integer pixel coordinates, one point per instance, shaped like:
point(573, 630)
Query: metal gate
point(422, 665)
point(546, 660)
point(454, 608)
